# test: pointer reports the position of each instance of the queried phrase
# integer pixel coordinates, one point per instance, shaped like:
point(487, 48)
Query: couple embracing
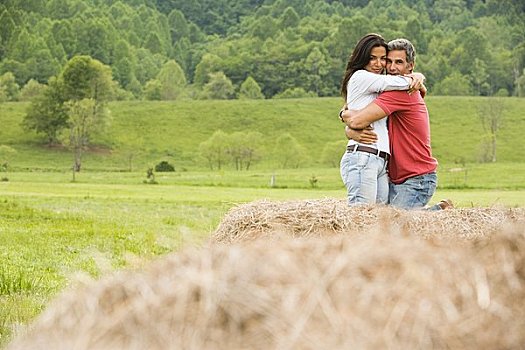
point(388, 160)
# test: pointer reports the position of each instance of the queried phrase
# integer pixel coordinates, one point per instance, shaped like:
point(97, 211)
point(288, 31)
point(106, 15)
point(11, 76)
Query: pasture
point(155, 131)
point(54, 233)
point(52, 230)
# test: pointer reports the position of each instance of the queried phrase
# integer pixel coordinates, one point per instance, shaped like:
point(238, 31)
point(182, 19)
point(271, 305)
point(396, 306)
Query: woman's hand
point(417, 82)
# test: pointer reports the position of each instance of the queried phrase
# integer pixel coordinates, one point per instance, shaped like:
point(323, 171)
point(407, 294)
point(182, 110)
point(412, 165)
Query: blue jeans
point(364, 175)
point(414, 193)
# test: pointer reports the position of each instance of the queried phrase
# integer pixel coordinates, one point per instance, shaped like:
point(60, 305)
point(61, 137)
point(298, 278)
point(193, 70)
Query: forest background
point(223, 49)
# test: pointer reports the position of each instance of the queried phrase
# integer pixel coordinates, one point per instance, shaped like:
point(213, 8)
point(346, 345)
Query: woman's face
point(377, 60)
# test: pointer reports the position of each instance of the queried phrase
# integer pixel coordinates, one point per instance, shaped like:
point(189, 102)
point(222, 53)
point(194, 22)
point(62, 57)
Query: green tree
point(183, 54)
point(122, 51)
point(214, 150)
point(86, 117)
point(123, 72)
point(153, 90)
point(250, 90)
point(95, 38)
point(7, 29)
point(264, 27)
point(288, 152)
point(42, 66)
point(172, 81)
point(491, 116)
point(219, 87)
point(297, 92)
point(9, 86)
point(316, 67)
point(64, 35)
point(46, 114)
point(153, 43)
point(455, 84)
point(520, 85)
point(209, 64)
point(414, 31)
point(21, 49)
point(31, 90)
point(251, 148)
point(480, 77)
point(59, 8)
point(84, 77)
point(470, 43)
point(149, 66)
point(289, 18)
point(244, 148)
point(178, 26)
point(332, 153)
point(135, 88)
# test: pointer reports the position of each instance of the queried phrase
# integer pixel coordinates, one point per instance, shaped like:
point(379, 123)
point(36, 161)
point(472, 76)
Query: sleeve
point(376, 83)
point(388, 102)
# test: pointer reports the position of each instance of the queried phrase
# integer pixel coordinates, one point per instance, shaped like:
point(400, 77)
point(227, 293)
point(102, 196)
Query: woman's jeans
point(364, 175)
point(414, 193)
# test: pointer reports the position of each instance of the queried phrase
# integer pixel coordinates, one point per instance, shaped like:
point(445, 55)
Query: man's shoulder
point(400, 96)
point(395, 94)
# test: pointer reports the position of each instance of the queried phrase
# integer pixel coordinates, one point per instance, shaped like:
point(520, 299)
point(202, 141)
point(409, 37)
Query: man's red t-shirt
point(409, 133)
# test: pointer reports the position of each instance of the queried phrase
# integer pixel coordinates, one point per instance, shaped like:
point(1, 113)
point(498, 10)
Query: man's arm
point(363, 118)
point(366, 136)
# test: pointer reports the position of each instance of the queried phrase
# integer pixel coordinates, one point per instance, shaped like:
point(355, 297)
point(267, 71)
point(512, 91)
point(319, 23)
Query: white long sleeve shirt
point(363, 88)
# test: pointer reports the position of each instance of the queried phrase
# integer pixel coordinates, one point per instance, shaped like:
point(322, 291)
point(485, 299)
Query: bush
point(164, 166)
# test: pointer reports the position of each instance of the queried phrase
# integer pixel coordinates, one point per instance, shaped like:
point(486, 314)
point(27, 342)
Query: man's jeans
point(364, 175)
point(414, 193)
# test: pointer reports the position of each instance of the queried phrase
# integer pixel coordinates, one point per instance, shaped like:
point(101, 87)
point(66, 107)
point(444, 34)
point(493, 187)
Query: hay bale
point(375, 291)
point(326, 217)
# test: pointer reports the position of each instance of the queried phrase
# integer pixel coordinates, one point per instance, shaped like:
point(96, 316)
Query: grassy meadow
point(52, 230)
point(173, 131)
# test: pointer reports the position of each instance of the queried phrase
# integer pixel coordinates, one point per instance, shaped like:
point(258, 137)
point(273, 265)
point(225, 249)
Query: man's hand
point(423, 90)
point(366, 136)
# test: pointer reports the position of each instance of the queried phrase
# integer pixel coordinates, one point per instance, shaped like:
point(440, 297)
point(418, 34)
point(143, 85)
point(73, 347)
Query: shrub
point(164, 166)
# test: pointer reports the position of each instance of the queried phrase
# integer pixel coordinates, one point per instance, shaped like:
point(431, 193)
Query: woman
point(363, 167)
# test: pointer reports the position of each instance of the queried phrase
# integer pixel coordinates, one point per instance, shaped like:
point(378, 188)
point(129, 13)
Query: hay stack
point(380, 290)
point(326, 217)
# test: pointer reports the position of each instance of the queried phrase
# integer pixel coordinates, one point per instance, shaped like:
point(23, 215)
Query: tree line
point(223, 49)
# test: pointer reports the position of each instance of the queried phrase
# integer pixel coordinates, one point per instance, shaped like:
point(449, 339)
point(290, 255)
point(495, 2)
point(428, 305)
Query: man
point(412, 169)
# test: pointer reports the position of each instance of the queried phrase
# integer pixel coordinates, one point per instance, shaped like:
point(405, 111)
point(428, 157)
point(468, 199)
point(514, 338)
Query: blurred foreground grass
point(52, 230)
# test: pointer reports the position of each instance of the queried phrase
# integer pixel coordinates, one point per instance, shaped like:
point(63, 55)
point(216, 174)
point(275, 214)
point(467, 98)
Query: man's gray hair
point(406, 45)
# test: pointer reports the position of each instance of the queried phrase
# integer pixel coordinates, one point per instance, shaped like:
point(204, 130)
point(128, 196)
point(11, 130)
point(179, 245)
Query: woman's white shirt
point(363, 88)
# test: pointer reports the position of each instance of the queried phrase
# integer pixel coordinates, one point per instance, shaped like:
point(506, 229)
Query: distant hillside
point(465, 47)
point(174, 131)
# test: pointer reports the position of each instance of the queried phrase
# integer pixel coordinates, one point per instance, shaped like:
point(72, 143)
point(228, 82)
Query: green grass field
point(174, 130)
point(52, 230)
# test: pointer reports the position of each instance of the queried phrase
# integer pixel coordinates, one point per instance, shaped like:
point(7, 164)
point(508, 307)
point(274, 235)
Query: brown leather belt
point(372, 150)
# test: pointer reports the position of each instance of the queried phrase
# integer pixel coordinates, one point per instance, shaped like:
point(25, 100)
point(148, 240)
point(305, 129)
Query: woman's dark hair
point(361, 56)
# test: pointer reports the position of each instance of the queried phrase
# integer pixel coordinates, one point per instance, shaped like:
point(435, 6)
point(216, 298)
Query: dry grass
point(384, 288)
point(271, 220)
